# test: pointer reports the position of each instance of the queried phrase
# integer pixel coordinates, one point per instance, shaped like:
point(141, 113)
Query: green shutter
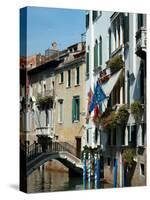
point(78, 109)
point(96, 56)
point(73, 109)
point(100, 52)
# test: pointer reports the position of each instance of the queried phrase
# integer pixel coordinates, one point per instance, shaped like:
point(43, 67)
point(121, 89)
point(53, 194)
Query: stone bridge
point(63, 152)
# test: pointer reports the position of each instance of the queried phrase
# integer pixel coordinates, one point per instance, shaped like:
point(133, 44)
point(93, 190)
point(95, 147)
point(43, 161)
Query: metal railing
point(46, 93)
point(36, 149)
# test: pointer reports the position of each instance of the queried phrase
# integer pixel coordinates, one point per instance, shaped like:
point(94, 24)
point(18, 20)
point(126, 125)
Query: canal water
point(50, 180)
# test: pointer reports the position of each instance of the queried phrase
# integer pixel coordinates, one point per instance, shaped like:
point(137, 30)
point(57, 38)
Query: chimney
point(54, 45)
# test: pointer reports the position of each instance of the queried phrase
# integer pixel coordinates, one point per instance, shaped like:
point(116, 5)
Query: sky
point(46, 25)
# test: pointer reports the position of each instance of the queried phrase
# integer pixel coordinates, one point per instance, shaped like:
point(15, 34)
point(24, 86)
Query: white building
point(117, 39)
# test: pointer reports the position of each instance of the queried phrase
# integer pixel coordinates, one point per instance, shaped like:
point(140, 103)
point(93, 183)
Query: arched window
point(109, 32)
point(96, 54)
point(87, 61)
point(100, 50)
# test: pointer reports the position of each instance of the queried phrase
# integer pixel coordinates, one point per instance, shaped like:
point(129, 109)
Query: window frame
point(60, 108)
point(61, 78)
point(75, 110)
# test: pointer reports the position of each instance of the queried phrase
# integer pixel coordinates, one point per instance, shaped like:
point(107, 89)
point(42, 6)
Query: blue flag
point(97, 97)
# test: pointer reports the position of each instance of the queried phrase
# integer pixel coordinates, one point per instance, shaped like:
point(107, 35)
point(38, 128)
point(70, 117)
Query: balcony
point(45, 131)
point(141, 40)
point(46, 96)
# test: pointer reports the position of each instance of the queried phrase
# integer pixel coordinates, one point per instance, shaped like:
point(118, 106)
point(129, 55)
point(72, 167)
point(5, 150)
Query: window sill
point(68, 87)
point(76, 85)
point(75, 121)
point(60, 123)
point(61, 83)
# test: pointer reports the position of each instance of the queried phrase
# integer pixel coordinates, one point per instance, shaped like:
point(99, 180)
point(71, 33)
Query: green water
point(50, 181)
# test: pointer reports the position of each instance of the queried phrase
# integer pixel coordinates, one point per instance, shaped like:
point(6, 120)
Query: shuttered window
point(69, 79)
point(60, 113)
point(140, 20)
point(87, 20)
point(126, 28)
point(87, 62)
point(76, 108)
point(96, 55)
point(100, 51)
point(77, 76)
point(95, 14)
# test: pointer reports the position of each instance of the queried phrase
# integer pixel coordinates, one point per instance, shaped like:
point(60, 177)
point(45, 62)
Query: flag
point(97, 97)
point(90, 94)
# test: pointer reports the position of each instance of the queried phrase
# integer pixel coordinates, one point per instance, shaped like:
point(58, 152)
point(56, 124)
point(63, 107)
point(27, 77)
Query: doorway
point(78, 147)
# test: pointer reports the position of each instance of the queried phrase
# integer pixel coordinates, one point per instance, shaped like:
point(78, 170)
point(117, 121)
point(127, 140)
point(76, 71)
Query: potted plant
point(115, 63)
point(136, 110)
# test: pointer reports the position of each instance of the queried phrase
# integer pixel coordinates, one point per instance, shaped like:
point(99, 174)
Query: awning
point(110, 84)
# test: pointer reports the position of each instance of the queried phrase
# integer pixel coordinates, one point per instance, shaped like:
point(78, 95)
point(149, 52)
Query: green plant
point(112, 119)
point(115, 63)
point(128, 155)
point(122, 115)
point(136, 110)
point(43, 100)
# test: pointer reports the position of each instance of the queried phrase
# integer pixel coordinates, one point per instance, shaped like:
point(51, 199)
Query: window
point(142, 83)
point(60, 112)
point(114, 136)
point(75, 108)
point(77, 76)
point(96, 134)
point(69, 79)
point(123, 136)
point(87, 135)
point(108, 161)
point(95, 15)
point(118, 27)
point(61, 77)
point(96, 55)
point(100, 51)
point(47, 117)
point(142, 170)
point(140, 20)
point(87, 63)
point(128, 87)
point(87, 20)
point(132, 137)
point(143, 133)
point(126, 28)
point(109, 43)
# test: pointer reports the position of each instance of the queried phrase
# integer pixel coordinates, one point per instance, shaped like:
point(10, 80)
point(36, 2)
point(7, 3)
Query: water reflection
point(50, 180)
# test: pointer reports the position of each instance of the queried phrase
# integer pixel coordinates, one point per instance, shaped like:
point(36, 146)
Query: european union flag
point(97, 97)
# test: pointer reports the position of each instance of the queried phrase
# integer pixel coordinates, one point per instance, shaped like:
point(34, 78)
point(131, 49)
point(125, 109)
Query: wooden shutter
point(100, 51)
point(73, 109)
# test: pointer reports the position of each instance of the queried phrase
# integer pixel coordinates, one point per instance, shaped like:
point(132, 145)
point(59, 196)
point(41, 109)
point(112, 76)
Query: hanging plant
point(115, 63)
point(109, 120)
point(114, 119)
point(44, 100)
point(122, 115)
point(128, 156)
point(136, 110)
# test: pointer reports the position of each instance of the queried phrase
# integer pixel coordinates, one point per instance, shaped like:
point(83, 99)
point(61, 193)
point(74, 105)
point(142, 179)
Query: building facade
point(70, 99)
point(116, 58)
point(55, 92)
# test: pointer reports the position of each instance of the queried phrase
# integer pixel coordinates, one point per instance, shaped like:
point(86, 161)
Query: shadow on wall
point(130, 173)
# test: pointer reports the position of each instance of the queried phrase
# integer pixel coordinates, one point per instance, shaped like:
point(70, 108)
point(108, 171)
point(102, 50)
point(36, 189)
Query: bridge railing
point(36, 149)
